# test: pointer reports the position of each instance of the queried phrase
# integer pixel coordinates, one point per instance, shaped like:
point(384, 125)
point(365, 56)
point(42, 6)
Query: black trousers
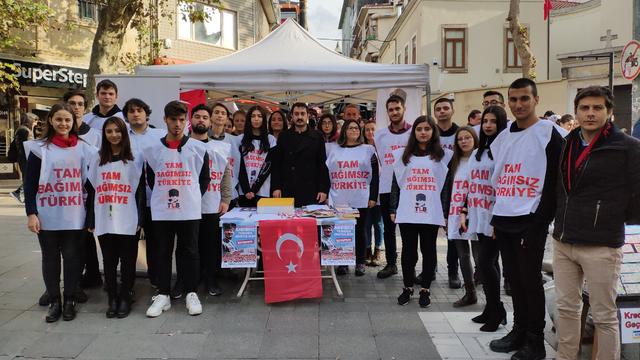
point(412, 234)
point(188, 266)
point(121, 249)
point(91, 265)
point(452, 258)
point(209, 246)
point(361, 236)
point(522, 255)
point(70, 245)
point(465, 249)
point(390, 249)
point(489, 269)
point(151, 247)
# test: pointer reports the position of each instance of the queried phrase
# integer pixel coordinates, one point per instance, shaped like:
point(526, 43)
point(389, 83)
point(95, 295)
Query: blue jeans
point(374, 219)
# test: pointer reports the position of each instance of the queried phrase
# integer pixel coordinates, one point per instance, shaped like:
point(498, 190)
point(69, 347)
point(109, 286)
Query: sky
point(322, 18)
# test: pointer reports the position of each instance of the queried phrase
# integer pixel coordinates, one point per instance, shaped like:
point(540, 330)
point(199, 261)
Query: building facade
point(58, 59)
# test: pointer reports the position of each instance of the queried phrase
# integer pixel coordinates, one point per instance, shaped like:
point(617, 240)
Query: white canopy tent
point(291, 65)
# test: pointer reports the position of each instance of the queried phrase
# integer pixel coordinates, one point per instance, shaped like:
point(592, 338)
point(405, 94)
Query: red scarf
point(173, 144)
point(584, 154)
point(60, 141)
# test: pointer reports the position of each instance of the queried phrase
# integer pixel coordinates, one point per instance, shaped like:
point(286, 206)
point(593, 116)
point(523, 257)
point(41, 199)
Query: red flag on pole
point(547, 8)
point(291, 259)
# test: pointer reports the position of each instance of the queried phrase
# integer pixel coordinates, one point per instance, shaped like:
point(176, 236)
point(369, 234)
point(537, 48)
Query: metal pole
point(548, 46)
point(611, 71)
point(635, 88)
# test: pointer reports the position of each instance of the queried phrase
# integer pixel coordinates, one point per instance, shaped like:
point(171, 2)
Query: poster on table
point(412, 104)
point(630, 325)
point(338, 243)
point(239, 244)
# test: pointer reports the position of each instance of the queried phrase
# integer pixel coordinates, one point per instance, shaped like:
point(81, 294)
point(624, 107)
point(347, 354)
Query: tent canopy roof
point(288, 60)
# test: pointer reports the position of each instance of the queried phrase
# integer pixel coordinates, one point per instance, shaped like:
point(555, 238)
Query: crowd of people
point(495, 185)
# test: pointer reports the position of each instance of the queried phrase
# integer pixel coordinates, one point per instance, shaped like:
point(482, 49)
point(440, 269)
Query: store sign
point(629, 325)
point(34, 74)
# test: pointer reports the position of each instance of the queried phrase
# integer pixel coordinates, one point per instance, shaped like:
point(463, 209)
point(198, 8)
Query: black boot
point(533, 348)
point(495, 317)
point(69, 310)
point(454, 281)
point(482, 318)
point(388, 270)
point(124, 305)
point(469, 297)
point(55, 310)
point(44, 299)
point(514, 340)
point(113, 305)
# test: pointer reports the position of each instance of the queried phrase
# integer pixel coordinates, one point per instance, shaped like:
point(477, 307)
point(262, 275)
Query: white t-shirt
point(217, 164)
point(520, 168)
point(386, 144)
point(139, 141)
point(59, 199)
point(459, 190)
point(253, 162)
point(96, 121)
point(115, 184)
point(176, 191)
point(421, 182)
point(350, 175)
point(481, 195)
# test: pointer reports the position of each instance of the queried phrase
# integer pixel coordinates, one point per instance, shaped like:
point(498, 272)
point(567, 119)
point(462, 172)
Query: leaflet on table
point(239, 244)
point(337, 240)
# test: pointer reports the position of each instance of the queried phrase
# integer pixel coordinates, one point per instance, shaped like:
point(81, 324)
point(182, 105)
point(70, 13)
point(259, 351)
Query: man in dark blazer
point(300, 169)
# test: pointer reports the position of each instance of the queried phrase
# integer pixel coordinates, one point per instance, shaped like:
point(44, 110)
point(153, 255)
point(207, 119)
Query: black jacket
point(300, 169)
point(604, 194)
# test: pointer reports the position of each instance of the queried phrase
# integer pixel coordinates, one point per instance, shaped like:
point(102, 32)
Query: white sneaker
point(193, 304)
point(160, 303)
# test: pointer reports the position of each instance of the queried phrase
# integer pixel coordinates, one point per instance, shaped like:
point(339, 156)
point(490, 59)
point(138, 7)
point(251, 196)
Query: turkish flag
point(548, 6)
point(291, 259)
point(193, 98)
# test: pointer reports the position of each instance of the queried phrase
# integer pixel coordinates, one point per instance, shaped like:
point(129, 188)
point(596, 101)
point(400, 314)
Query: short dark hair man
point(387, 140)
point(78, 101)
point(107, 95)
point(529, 149)
point(492, 98)
point(178, 175)
point(300, 170)
point(594, 202)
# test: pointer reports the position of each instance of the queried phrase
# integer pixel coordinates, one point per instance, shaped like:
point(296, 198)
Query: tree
point(17, 17)
point(116, 18)
point(520, 36)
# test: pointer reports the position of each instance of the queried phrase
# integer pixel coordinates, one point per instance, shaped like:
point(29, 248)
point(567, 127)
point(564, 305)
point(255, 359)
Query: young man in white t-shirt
point(388, 140)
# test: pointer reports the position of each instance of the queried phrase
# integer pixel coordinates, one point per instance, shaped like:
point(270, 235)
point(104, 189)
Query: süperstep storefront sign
point(45, 75)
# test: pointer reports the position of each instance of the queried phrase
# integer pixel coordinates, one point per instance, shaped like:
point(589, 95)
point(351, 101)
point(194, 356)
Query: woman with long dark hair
point(277, 121)
point(115, 212)
point(419, 174)
point(255, 155)
point(328, 126)
point(56, 171)
point(465, 141)
point(480, 200)
point(356, 184)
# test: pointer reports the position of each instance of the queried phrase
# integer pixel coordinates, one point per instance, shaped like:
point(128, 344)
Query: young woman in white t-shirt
point(115, 205)
point(476, 217)
point(256, 151)
point(353, 172)
point(56, 171)
point(419, 174)
point(465, 141)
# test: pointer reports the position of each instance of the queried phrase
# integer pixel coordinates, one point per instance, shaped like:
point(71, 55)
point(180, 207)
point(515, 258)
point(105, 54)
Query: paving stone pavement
point(366, 324)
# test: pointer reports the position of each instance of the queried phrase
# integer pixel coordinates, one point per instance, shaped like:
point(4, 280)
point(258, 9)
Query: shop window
point(455, 48)
point(219, 28)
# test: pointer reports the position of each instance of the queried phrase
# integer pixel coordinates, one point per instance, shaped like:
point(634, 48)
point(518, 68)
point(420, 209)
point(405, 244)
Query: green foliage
point(16, 18)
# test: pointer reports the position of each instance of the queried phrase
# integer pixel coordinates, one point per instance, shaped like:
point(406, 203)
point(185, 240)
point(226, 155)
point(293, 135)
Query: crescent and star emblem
point(290, 237)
